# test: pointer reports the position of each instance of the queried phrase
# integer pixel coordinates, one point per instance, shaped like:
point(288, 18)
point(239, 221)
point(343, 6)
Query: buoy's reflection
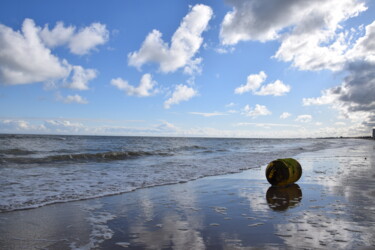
point(282, 198)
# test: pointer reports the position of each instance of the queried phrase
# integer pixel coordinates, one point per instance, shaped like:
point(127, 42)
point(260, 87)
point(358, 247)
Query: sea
point(37, 170)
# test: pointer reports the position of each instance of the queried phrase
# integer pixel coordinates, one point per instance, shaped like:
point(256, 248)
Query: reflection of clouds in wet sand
point(147, 206)
point(344, 212)
point(174, 231)
point(348, 172)
point(315, 230)
point(60, 226)
point(255, 197)
point(98, 224)
point(179, 227)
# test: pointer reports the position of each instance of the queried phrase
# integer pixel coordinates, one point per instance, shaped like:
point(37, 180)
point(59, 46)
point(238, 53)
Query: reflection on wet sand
point(173, 223)
point(282, 198)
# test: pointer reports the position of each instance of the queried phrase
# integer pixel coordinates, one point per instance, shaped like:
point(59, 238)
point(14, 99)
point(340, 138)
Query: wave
point(85, 157)
point(15, 155)
point(188, 148)
point(16, 151)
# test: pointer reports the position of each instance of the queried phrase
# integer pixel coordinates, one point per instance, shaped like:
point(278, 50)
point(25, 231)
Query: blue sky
point(252, 68)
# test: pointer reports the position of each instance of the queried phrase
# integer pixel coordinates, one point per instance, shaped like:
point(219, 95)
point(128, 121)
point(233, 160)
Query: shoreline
point(331, 206)
point(297, 151)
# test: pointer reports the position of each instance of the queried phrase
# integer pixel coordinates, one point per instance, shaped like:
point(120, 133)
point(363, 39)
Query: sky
point(218, 68)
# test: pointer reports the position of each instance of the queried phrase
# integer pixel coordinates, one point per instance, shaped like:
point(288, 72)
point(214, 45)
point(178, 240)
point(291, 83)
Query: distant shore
point(211, 137)
point(332, 206)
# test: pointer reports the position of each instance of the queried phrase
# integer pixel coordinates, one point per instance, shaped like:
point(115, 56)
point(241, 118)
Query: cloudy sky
point(225, 68)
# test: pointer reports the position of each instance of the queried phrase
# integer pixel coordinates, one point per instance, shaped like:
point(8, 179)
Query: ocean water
point(36, 170)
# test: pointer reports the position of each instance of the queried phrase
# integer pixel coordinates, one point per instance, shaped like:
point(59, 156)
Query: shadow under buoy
point(283, 198)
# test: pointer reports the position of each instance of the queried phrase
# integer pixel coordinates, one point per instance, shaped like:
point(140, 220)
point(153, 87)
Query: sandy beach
point(331, 206)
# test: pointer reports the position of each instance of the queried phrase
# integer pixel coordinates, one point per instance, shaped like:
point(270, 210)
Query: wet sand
point(331, 206)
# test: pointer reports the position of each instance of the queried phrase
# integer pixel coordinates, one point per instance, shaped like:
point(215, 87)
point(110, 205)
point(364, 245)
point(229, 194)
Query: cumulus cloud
point(58, 36)
point(185, 43)
point(259, 110)
point(79, 42)
point(193, 66)
point(181, 93)
point(310, 32)
point(354, 98)
point(285, 115)
point(253, 82)
point(303, 118)
point(267, 19)
point(81, 77)
point(254, 85)
point(145, 87)
point(74, 99)
point(26, 56)
point(277, 88)
point(25, 59)
point(313, 36)
point(364, 48)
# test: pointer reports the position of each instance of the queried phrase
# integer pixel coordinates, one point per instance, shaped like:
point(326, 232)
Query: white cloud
point(364, 47)
point(267, 125)
point(25, 59)
point(285, 115)
point(259, 110)
point(58, 36)
point(81, 77)
point(265, 20)
point(117, 127)
point(310, 31)
point(166, 127)
point(80, 42)
point(20, 125)
point(15, 124)
point(303, 118)
point(88, 38)
point(207, 114)
point(185, 43)
point(277, 88)
point(74, 99)
point(193, 66)
point(354, 98)
point(224, 50)
point(253, 82)
point(325, 45)
point(181, 93)
point(63, 126)
point(144, 89)
point(26, 56)
point(328, 97)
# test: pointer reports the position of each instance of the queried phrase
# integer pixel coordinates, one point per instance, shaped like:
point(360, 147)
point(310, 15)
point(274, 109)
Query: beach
point(331, 206)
